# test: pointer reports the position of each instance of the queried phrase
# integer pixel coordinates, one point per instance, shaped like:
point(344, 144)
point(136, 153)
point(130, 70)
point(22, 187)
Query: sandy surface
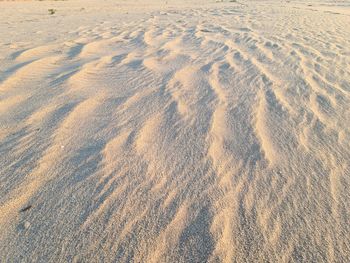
point(139, 131)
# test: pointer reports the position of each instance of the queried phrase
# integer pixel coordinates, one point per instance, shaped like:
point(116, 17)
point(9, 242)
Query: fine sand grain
point(179, 131)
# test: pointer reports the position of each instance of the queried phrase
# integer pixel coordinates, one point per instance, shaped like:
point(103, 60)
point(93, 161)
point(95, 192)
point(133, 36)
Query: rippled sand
point(174, 132)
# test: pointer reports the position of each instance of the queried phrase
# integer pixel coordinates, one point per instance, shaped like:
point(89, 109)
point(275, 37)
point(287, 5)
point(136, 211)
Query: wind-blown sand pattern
point(163, 132)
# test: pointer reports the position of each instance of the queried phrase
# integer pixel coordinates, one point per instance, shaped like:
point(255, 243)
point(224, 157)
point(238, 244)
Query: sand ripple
point(214, 133)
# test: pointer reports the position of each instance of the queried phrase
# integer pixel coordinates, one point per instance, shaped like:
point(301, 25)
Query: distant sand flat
point(174, 131)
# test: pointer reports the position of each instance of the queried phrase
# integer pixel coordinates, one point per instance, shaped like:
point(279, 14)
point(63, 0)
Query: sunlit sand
point(178, 131)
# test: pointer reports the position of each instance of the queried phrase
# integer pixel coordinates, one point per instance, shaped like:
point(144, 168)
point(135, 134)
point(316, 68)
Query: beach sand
point(178, 131)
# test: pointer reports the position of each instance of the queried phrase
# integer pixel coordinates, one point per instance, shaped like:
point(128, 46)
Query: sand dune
point(194, 131)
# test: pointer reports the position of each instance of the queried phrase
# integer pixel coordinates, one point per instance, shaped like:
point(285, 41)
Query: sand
point(179, 131)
